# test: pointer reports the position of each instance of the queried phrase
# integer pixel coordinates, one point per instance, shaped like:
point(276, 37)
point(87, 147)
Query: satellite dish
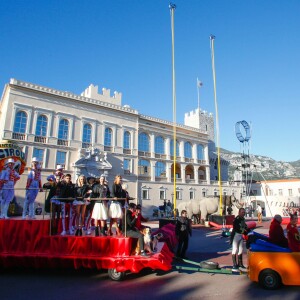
point(246, 128)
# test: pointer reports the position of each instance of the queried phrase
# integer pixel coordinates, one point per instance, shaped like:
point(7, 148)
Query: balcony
point(144, 153)
point(19, 136)
point(161, 156)
point(127, 172)
point(86, 145)
point(40, 139)
point(108, 148)
point(188, 159)
point(127, 151)
point(62, 142)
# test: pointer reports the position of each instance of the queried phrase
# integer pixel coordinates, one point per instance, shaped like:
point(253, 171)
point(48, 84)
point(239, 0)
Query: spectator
point(293, 234)
point(276, 234)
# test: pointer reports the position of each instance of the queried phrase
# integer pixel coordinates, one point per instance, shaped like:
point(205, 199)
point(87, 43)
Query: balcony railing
point(86, 145)
point(40, 139)
point(108, 148)
point(188, 159)
point(62, 142)
point(19, 136)
point(127, 151)
point(127, 172)
point(144, 153)
point(162, 156)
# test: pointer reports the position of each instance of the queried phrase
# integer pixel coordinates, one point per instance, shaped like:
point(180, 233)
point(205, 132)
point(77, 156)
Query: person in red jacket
point(276, 234)
point(293, 234)
point(140, 218)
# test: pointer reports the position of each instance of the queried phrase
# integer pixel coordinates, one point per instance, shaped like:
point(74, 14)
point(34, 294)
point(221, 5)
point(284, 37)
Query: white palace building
point(93, 133)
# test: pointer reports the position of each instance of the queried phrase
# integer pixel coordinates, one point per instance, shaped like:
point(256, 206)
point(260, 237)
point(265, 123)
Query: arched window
point(20, 122)
point(200, 152)
point(143, 142)
point(41, 126)
point(144, 167)
point(108, 137)
point(159, 145)
point(63, 130)
point(127, 141)
point(172, 148)
point(87, 133)
point(160, 169)
point(187, 150)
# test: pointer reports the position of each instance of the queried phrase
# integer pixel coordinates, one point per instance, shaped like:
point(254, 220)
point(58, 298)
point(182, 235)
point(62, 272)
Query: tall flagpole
point(199, 85)
point(212, 39)
point(172, 9)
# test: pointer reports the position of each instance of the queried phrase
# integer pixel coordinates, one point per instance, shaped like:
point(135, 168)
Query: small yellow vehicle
point(271, 265)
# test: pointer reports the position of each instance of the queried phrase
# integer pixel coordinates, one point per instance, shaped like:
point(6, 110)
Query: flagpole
point(212, 39)
point(172, 9)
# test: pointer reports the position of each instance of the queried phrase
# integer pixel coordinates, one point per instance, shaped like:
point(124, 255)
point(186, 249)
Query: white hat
point(9, 160)
point(59, 167)
point(35, 159)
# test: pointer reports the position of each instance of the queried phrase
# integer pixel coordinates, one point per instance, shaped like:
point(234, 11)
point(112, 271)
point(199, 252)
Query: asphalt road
point(89, 284)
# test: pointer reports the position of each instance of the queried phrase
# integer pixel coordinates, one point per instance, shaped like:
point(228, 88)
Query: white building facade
point(93, 133)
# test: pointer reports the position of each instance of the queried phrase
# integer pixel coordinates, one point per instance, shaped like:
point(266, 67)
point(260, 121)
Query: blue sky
point(126, 46)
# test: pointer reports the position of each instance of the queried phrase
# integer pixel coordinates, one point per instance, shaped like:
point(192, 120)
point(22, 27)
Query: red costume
point(276, 234)
point(293, 237)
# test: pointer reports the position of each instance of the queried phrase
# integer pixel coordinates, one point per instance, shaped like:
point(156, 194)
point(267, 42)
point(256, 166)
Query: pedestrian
point(89, 207)
point(239, 229)
point(259, 213)
point(33, 186)
point(8, 179)
point(183, 230)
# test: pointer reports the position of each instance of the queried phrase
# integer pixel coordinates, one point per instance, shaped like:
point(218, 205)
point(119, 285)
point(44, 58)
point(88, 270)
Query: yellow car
point(271, 265)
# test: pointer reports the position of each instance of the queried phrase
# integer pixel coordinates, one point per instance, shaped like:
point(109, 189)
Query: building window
point(127, 166)
point(159, 145)
point(162, 194)
point(87, 136)
point(144, 167)
point(215, 193)
point(290, 192)
point(145, 193)
point(108, 137)
point(187, 150)
point(160, 169)
point(200, 152)
point(192, 195)
point(172, 148)
point(61, 158)
point(20, 122)
point(39, 153)
point(63, 130)
point(41, 126)
point(204, 192)
point(178, 195)
point(143, 142)
point(280, 192)
point(127, 140)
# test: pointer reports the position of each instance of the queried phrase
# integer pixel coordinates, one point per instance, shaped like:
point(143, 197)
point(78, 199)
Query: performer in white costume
point(33, 186)
point(8, 178)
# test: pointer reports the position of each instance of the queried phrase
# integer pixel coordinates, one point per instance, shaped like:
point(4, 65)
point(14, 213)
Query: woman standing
point(115, 210)
point(100, 211)
point(82, 191)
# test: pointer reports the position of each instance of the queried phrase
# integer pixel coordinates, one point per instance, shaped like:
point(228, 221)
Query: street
point(206, 243)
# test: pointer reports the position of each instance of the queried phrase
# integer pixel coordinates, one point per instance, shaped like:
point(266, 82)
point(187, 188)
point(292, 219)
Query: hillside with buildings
point(261, 167)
